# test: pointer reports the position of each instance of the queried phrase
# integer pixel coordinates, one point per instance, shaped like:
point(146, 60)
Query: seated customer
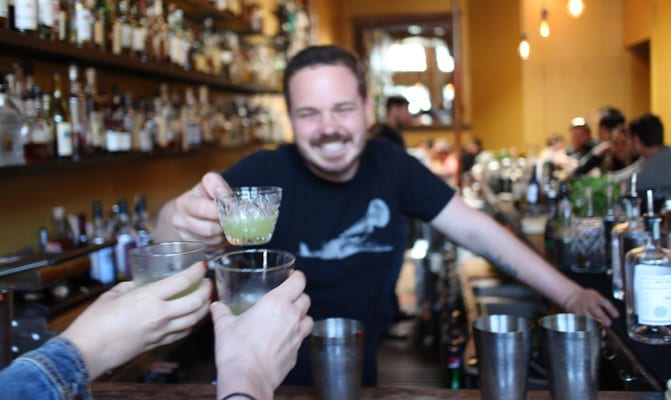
point(126, 321)
point(648, 134)
point(609, 119)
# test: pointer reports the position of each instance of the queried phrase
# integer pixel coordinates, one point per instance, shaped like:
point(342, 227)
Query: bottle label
point(532, 193)
point(652, 294)
point(99, 32)
point(64, 139)
point(116, 38)
point(46, 14)
point(96, 127)
point(126, 36)
point(25, 14)
point(83, 24)
point(4, 8)
point(139, 38)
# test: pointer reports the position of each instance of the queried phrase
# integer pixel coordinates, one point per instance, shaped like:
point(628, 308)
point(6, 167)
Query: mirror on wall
point(409, 55)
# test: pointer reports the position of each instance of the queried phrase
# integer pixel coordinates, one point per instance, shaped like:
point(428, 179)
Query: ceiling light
point(545, 25)
point(575, 7)
point(524, 47)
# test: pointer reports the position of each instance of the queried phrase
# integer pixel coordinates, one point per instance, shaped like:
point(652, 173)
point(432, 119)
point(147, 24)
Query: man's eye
point(344, 109)
point(306, 114)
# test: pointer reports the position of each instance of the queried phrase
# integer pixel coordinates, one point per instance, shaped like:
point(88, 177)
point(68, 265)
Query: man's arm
point(481, 234)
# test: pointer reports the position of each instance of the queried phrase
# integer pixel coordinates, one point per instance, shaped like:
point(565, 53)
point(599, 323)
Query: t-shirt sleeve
point(423, 193)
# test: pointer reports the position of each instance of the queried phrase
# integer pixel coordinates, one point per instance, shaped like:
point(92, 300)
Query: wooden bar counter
point(147, 391)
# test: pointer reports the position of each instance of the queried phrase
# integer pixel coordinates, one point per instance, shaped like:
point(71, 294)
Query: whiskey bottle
point(11, 121)
point(102, 261)
point(25, 16)
point(648, 284)
point(60, 117)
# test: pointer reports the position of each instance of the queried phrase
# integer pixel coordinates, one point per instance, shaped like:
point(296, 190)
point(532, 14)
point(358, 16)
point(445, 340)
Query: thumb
point(213, 183)
point(219, 311)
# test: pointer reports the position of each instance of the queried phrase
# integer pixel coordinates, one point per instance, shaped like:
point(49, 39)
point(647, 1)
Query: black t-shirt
point(345, 235)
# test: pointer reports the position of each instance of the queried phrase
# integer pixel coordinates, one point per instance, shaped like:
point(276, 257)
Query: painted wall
point(660, 63)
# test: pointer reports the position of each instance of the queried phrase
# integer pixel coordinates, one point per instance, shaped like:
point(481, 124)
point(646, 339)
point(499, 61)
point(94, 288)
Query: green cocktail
point(248, 231)
point(248, 214)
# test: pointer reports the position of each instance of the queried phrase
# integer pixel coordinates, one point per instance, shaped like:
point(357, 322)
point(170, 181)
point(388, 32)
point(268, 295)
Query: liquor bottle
point(39, 142)
point(141, 222)
point(63, 21)
point(149, 129)
point(47, 19)
point(82, 234)
point(101, 25)
point(83, 24)
point(77, 108)
point(139, 31)
point(94, 112)
point(11, 121)
point(648, 284)
point(60, 116)
point(4, 14)
point(193, 134)
point(102, 261)
point(125, 240)
point(25, 16)
point(123, 16)
point(625, 237)
point(61, 237)
point(609, 221)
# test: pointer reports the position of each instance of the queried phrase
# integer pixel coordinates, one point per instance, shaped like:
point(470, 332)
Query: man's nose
point(327, 123)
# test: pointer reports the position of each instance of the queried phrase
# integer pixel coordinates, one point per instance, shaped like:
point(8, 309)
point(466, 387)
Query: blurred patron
point(647, 132)
point(398, 117)
point(609, 119)
point(469, 153)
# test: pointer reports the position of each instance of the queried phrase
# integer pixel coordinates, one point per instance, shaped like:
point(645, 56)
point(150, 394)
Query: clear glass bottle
point(609, 221)
point(61, 236)
point(60, 117)
point(47, 19)
point(125, 240)
point(11, 121)
point(648, 284)
point(102, 261)
point(25, 16)
point(625, 237)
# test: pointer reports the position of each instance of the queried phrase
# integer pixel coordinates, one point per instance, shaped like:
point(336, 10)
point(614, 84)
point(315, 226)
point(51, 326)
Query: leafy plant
point(599, 198)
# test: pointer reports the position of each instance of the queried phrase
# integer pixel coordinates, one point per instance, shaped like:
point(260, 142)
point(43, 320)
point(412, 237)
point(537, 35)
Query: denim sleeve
point(56, 370)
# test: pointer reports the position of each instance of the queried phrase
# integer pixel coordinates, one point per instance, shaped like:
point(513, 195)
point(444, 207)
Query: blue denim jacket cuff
point(64, 365)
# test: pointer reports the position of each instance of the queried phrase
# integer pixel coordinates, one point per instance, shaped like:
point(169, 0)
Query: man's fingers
point(172, 285)
point(213, 182)
point(219, 310)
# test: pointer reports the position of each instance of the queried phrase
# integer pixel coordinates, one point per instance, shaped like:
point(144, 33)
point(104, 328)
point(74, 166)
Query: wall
point(660, 62)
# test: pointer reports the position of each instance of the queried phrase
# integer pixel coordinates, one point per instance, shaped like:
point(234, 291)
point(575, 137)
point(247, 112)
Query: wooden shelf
point(109, 159)
point(12, 41)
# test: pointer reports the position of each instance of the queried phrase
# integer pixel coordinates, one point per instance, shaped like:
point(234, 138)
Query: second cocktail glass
point(243, 277)
point(248, 214)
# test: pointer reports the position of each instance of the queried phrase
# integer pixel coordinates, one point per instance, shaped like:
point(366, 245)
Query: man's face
point(579, 137)
point(403, 117)
point(329, 120)
point(623, 146)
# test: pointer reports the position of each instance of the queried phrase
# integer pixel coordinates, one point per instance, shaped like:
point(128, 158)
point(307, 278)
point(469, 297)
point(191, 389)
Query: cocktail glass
point(248, 214)
point(157, 261)
point(243, 277)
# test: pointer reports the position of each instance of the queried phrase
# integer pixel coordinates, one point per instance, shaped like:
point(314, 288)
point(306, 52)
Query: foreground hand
point(254, 351)
point(590, 303)
point(126, 321)
point(195, 213)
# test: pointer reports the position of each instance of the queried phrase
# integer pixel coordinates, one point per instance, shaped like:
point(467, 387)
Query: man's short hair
point(324, 55)
point(393, 101)
point(610, 117)
point(649, 129)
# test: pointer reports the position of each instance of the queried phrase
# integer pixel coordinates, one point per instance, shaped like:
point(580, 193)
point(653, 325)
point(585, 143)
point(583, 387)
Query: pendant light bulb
point(524, 47)
point(575, 7)
point(545, 25)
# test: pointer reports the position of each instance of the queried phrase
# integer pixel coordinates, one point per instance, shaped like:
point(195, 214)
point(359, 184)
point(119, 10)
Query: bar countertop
point(146, 391)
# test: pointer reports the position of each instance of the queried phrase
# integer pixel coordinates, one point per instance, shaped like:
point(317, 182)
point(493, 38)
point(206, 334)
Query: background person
point(647, 132)
point(343, 201)
point(397, 117)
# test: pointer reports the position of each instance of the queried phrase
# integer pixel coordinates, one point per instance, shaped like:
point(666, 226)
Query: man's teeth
point(332, 146)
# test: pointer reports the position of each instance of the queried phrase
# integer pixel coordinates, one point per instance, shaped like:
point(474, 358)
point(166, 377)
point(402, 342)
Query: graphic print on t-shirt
point(354, 240)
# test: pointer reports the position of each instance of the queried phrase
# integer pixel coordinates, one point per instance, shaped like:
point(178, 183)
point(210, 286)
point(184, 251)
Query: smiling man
point(343, 206)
